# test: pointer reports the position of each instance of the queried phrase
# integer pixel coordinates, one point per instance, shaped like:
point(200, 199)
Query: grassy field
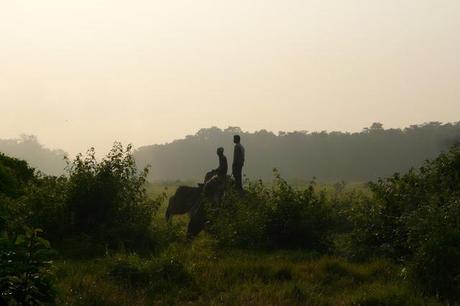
point(200, 273)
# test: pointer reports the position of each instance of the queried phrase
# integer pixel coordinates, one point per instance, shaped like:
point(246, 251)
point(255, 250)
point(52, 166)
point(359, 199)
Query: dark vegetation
point(330, 157)
point(24, 269)
point(395, 241)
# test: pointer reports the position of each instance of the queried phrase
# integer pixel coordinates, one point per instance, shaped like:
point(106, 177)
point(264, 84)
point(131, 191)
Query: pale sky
point(84, 73)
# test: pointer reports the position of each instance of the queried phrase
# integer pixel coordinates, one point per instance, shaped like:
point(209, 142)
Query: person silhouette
point(238, 162)
point(221, 171)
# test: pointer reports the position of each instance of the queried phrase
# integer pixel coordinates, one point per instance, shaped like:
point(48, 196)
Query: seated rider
point(221, 171)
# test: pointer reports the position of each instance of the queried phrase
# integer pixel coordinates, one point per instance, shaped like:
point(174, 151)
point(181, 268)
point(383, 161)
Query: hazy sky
point(84, 73)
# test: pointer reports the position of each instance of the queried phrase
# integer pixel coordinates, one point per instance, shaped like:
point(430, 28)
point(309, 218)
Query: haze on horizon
point(85, 73)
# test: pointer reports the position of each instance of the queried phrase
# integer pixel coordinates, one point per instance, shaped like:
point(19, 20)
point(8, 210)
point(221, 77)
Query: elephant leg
point(196, 224)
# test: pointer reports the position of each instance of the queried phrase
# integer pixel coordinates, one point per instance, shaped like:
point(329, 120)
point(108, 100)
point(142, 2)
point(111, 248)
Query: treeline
point(375, 152)
point(372, 153)
point(28, 148)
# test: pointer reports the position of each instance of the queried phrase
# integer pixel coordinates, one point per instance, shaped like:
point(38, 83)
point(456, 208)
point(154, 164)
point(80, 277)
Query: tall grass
point(202, 274)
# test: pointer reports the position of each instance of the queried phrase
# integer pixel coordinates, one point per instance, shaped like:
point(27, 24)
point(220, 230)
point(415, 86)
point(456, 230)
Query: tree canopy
point(329, 156)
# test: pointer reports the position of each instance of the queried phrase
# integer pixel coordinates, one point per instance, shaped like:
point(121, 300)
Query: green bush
point(25, 277)
point(44, 206)
point(435, 266)
point(15, 174)
point(370, 233)
point(240, 221)
point(107, 199)
point(415, 218)
point(299, 218)
point(272, 217)
point(98, 206)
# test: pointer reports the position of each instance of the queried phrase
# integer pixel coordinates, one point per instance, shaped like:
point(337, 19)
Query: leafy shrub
point(14, 175)
point(370, 234)
point(25, 277)
point(415, 218)
point(241, 220)
point(44, 206)
point(435, 266)
point(98, 206)
point(272, 217)
point(107, 199)
point(299, 218)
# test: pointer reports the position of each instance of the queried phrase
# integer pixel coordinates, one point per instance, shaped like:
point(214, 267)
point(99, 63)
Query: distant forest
point(334, 156)
point(372, 153)
point(28, 148)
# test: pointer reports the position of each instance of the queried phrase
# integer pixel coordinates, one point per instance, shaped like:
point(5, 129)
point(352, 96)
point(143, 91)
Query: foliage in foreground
point(415, 219)
point(98, 207)
point(107, 200)
point(201, 275)
point(25, 276)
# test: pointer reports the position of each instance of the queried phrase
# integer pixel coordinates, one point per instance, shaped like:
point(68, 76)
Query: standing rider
point(238, 162)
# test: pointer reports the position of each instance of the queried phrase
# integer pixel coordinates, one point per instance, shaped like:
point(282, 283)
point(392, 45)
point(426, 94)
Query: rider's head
point(220, 151)
point(236, 138)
